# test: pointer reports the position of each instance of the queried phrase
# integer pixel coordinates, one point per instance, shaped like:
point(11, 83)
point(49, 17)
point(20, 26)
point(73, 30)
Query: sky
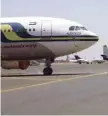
point(91, 13)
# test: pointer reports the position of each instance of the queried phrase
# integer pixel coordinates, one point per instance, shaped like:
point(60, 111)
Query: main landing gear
point(48, 70)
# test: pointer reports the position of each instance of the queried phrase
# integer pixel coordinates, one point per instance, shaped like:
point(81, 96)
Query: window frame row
point(19, 30)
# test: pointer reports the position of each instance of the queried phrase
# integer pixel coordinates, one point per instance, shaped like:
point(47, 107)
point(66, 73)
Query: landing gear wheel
point(47, 71)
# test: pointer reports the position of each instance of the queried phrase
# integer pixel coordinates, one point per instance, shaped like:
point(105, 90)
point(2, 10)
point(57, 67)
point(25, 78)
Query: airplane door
point(46, 28)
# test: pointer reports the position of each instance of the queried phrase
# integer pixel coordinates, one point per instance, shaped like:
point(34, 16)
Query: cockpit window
point(72, 28)
point(83, 28)
point(77, 28)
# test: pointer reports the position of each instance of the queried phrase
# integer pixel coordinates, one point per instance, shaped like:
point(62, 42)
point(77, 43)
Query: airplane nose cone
point(89, 39)
point(93, 36)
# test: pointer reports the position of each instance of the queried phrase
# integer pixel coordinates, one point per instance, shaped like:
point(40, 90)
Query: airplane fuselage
point(40, 37)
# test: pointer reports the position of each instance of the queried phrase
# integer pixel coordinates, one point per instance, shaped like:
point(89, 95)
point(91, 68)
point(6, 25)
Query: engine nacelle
point(15, 64)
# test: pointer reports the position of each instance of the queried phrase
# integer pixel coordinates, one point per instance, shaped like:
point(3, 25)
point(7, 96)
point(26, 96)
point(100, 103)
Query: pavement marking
point(55, 81)
point(31, 78)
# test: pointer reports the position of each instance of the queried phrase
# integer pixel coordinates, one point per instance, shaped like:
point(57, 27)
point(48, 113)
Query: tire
point(47, 71)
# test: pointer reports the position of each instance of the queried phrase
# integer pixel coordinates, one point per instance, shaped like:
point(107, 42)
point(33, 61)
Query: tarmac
point(73, 89)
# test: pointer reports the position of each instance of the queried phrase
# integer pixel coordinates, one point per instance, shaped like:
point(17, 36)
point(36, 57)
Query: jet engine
point(15, 64)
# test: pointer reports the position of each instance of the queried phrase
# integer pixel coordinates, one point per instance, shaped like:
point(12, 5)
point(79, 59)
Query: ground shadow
point(57, 74)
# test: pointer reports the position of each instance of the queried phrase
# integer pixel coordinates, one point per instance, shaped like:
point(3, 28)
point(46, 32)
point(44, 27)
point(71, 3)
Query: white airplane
point(33, 38)
point(98, 60)
point(104, 56)
point(81, 60)
point(105, 52)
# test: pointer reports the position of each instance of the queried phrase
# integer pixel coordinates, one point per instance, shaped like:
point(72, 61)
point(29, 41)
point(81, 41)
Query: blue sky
point(91, 13)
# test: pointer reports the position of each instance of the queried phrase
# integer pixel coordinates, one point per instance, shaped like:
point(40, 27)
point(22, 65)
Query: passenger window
point(29, 29)
point(72, 28)
point(9, 30)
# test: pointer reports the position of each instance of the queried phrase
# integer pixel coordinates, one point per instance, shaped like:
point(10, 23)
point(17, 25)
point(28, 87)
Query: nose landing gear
point(48, 70)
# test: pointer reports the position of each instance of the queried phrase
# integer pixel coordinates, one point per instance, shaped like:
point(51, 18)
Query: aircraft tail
point(77, 57)
point(105, 50)
point(104, 57)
